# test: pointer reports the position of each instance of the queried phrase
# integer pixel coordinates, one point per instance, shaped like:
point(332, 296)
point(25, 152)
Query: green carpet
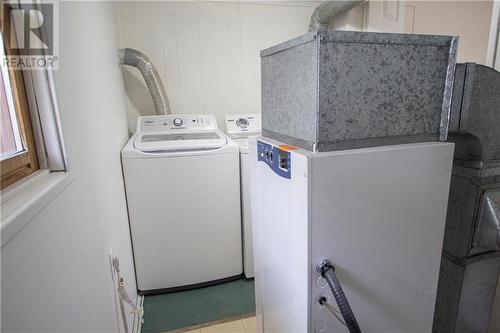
point(193, 307)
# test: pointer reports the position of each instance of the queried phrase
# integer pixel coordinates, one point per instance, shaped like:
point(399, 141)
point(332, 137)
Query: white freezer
point(377, 214)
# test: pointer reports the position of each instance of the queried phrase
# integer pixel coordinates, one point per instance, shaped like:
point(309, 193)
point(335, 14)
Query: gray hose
point(137, 59)
point(324, 13)
point(326, 269)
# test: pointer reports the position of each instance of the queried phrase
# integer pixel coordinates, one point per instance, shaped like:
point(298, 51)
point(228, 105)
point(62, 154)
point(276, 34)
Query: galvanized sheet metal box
point(331, 90)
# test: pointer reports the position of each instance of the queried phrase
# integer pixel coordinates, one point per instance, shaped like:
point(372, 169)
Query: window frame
point(41, 96)
point(24, 163)
point(24, 199)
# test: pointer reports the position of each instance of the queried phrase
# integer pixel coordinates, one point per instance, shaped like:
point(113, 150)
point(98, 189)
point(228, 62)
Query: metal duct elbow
point(139, 60)
point(324, 13)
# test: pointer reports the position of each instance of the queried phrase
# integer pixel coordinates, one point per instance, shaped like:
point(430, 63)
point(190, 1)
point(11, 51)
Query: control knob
point(177, 122)
point(242, 122)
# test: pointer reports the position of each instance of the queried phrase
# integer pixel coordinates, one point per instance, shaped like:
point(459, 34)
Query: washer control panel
point(244, 123)
point(198, 122)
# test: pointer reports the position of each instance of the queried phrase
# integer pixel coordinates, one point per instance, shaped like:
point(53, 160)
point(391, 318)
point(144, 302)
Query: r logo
point(30, 32)
point(32, 29)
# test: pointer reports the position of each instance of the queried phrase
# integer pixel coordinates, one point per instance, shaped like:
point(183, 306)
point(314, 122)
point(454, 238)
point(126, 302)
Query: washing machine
point(239, 128)
point(182, 183)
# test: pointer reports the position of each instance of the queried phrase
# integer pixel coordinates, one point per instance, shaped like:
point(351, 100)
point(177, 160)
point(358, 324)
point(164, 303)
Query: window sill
point(21, 202)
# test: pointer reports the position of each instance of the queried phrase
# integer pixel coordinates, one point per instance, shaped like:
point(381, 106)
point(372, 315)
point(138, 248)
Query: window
point(31, 135)
point(18, 156)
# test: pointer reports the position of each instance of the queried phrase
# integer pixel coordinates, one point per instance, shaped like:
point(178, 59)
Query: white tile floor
point(246, 325)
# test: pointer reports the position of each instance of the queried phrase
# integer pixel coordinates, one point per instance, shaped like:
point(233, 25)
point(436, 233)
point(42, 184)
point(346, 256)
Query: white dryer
point(182, 184)
point(239, 128)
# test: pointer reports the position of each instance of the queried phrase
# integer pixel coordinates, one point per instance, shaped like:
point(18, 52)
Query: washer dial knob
point(177, 122)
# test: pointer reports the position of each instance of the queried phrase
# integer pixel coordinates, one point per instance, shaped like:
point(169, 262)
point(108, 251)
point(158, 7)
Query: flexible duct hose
point(324, 13)
point(139, 60)
point(326, 269)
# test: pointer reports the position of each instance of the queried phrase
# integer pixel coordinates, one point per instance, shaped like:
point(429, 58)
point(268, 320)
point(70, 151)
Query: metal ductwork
point(470, 262)
point(139, 60)
point(324, 13)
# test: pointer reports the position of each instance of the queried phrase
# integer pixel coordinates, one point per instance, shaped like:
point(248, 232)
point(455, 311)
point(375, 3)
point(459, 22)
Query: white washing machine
point(182, 184)
point(239, 128)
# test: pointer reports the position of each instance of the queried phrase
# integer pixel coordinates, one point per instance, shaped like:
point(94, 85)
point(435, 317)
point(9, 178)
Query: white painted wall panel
point(55, 272)
point(207, 53)
point(470, 20)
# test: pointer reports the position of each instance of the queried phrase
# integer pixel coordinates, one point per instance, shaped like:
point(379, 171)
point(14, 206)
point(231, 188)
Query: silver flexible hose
point(139, 60)
point(326, 12)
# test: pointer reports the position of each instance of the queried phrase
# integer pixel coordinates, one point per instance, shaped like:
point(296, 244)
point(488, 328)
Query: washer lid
point(161, 141)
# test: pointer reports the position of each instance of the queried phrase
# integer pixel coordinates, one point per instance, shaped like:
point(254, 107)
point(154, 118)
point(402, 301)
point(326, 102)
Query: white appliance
point(377, 214)
point(182, 184)
point(239, 128)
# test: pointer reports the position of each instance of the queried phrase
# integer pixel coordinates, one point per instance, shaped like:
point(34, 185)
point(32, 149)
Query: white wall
point(207, 53)
point(55, 272)
point(470, 20)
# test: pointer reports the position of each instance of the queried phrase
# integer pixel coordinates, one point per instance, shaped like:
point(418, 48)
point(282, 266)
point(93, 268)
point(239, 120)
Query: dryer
point(182, 183)
point(239, 128)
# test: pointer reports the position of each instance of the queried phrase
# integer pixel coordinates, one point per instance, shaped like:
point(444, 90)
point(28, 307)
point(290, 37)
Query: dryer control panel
point(167, 123)
point(247, 123)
